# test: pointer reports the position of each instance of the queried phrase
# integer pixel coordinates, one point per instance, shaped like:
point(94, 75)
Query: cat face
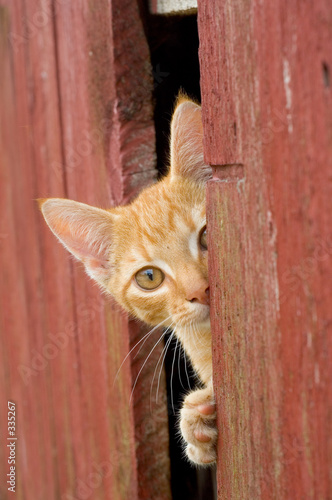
point(159, 256)
point(150, 255)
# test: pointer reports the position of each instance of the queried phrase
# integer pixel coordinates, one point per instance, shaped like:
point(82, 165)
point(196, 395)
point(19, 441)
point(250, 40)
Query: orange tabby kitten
point(151, 256)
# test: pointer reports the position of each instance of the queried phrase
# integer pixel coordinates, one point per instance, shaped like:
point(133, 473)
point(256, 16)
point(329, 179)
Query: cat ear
point(187, 155)
point(84, 230)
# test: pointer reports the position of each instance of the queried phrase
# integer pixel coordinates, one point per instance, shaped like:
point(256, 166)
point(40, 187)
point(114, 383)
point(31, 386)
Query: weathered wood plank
point(266, 96)
point(77, 98)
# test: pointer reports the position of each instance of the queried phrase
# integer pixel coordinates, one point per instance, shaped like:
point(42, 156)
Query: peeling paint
point(288, 93)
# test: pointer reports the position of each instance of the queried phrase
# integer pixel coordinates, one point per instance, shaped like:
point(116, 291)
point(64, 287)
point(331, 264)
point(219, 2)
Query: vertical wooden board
point(96, 430)
point(26, 335)
point(281, 105)
point(230, 138)
point(304, 252)
point(244, 354)
point(227, 235)
point(14, 349)
point(78, 433)
point(57, 347)
point(115, 87)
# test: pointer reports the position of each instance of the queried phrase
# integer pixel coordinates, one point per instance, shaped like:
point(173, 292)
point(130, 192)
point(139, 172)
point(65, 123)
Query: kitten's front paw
point(198, 426)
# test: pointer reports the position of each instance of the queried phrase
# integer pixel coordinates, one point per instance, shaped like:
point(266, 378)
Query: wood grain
point(77, 122)
point(267, 105)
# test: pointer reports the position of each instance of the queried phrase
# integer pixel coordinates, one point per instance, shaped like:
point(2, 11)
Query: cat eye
point(149, 278)
point(203, 238)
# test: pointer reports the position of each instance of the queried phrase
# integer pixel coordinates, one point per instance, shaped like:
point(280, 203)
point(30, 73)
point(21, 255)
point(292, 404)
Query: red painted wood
point(266, 68)
point(77, 99)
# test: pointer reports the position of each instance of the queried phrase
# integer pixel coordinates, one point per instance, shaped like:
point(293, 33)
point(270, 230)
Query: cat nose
point(201, 296)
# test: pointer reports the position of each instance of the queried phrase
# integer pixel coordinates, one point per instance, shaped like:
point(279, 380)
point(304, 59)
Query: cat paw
point(198, 426)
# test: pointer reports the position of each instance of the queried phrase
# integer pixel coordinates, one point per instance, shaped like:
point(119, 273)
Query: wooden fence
point(76, 121)
point(267, 105)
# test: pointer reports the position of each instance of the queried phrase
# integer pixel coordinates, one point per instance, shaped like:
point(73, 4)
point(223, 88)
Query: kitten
point(151, 256)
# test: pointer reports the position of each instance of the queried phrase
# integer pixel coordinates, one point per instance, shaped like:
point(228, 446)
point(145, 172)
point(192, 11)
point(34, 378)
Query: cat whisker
point(185, 369)
point(195, 336)
point(157, 326)
point(155, 371)
point(153, 348)
point(146, 336)
point(187, 327)
point(185, 359)
point(172, 372)
point(163, 359)
point(179, 357)
point(198, 336)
